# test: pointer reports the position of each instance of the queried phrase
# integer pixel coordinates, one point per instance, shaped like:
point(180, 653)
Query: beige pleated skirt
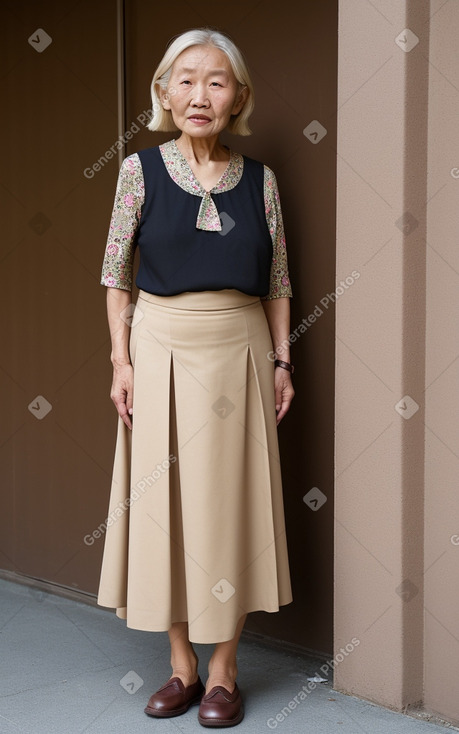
point(195, 529)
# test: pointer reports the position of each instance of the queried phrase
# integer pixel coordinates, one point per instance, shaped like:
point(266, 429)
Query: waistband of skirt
point(202, 300)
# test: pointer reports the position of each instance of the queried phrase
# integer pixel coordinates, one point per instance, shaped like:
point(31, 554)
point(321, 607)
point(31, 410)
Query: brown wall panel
point(61, 116)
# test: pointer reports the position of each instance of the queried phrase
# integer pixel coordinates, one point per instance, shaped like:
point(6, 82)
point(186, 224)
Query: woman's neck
point(202, 150)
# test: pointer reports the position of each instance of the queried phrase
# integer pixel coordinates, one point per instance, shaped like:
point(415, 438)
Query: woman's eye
point(186, 81)
point(216, 84)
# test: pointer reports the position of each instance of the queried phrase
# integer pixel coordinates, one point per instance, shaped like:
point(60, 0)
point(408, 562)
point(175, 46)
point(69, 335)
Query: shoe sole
point(173, 712)
point(220, 723)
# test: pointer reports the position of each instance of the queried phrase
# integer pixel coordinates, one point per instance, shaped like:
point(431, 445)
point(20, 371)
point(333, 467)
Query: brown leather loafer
point(221, 708)
point(173, 699)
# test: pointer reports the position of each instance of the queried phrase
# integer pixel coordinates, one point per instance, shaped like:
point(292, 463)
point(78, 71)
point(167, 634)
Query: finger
point(283, 411)
point(278, 397)
point(126, 419)
point(281, 414)
point(129, 402)
point(286, 400)
point(123, 411)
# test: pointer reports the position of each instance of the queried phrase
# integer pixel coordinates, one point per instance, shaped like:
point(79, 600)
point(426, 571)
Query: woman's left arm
point(277, 303)
point(277, 311)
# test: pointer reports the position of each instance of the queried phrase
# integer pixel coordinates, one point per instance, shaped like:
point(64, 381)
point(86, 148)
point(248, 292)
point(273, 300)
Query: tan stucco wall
point(441, 585)
point(396, 568)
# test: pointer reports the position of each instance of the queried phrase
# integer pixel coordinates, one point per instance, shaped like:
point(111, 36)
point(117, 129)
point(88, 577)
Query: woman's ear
point(241, 99)
point(163, 96)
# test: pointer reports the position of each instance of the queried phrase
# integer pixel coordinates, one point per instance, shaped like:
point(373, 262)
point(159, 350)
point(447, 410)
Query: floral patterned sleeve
point(279, 281)
point(119, 251)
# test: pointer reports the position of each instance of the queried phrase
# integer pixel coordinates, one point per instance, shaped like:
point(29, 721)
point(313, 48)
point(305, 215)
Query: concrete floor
point(69, 668)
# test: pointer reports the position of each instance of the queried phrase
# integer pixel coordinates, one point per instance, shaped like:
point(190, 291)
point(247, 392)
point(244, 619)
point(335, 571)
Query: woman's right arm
point(117, 276)
point(123, 375)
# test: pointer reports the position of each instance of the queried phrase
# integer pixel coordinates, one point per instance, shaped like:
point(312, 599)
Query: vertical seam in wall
point(121, 74)
point(414, 349)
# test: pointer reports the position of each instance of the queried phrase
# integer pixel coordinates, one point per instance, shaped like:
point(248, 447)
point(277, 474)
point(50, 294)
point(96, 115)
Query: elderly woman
point(195, 537)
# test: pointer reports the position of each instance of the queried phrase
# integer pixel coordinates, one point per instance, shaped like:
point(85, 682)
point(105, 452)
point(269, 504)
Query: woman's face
point(203, 92)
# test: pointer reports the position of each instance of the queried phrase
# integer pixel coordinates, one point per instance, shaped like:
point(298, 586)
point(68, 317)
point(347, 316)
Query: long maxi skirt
point(195, 529)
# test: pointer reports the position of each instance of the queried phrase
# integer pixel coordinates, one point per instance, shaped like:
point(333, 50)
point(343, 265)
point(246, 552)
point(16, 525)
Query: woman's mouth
point(199, 119)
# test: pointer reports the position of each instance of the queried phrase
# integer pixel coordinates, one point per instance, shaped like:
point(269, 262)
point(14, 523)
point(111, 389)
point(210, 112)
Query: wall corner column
point(380, 357)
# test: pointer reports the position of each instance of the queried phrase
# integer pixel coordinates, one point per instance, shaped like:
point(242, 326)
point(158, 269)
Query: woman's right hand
point(122, 391)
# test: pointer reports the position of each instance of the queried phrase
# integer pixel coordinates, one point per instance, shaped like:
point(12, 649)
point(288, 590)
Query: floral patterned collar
point(180, 171)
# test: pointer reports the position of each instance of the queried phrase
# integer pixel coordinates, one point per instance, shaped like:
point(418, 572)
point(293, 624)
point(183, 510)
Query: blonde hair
point(162, 119)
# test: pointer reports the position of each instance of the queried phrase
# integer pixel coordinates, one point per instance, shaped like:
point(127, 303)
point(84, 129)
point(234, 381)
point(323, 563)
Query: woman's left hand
point(284, 391)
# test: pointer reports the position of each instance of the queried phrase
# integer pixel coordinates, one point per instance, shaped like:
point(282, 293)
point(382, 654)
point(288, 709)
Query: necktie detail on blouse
point(179, 170)
point(208, 216)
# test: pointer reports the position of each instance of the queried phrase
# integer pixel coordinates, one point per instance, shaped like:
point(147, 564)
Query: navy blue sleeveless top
point(176, 257)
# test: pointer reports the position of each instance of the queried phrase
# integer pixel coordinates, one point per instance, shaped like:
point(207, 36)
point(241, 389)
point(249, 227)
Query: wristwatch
point(285, 365)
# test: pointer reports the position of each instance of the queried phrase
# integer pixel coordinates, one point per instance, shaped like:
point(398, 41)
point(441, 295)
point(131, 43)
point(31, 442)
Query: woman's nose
point(200, 97)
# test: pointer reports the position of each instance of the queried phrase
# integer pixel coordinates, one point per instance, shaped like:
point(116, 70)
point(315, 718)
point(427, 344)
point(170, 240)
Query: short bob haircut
point(162, 119)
